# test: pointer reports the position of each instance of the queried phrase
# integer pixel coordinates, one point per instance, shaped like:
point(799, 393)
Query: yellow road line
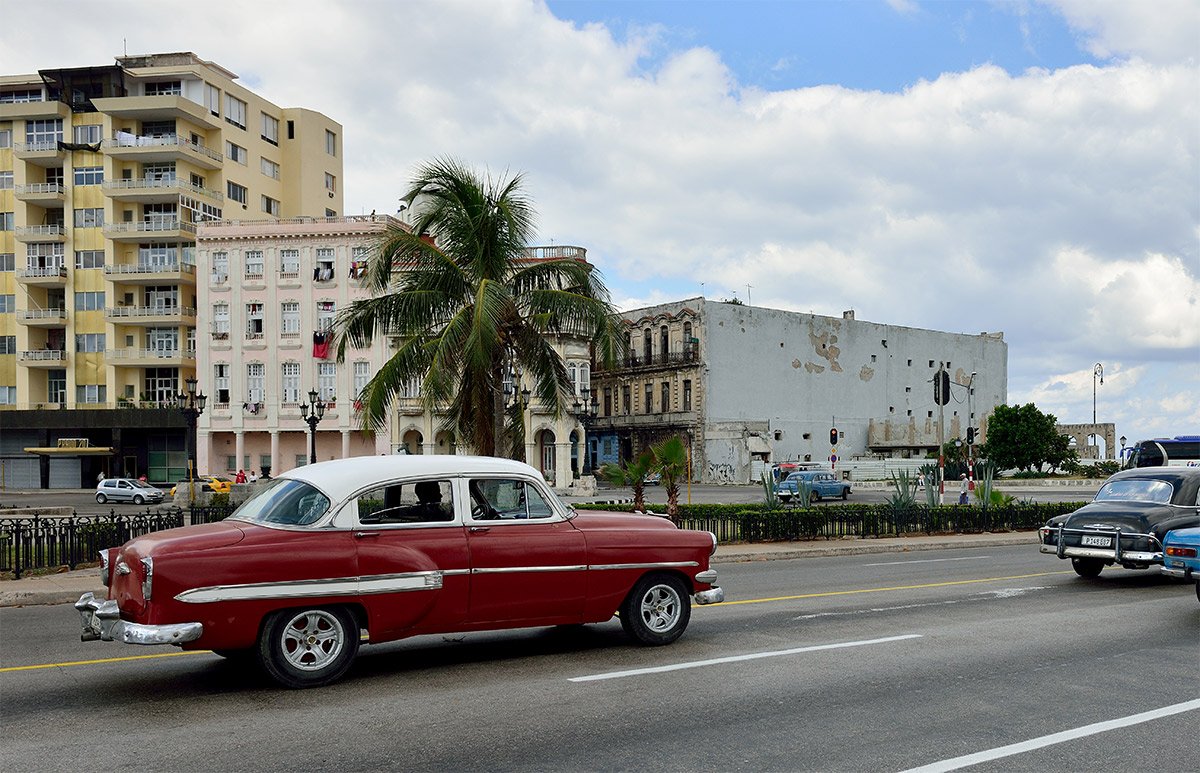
point(105, 660)
point(882, 590)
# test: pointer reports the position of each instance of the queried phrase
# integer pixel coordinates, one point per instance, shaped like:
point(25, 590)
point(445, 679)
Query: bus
point(1179, 451)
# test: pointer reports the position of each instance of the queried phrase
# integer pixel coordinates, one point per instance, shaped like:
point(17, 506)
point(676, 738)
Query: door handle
point(479, 529)
point(364, 534)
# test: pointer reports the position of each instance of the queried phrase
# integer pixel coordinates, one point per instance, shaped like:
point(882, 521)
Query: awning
point(70, 451)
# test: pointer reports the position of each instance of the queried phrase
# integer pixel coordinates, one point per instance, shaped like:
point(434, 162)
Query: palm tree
point(470, 307)
point(632, 473)
point(670, 460)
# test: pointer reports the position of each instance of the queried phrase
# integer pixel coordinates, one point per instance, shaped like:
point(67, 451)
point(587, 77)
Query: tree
point(632, 473)
point(1022, 437)
point(471, 309)
point(670, 460)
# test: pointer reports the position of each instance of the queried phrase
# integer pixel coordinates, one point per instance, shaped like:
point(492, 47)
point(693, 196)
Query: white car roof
point(342, 477)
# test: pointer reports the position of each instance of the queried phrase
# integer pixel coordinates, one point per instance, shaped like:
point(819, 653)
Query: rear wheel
point(308, 647)
point(657, 610)
point(1087, 567)
point(138, 499)
point(100, 498)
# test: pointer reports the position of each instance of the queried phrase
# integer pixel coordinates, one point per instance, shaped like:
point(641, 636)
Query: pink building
point(268, 292)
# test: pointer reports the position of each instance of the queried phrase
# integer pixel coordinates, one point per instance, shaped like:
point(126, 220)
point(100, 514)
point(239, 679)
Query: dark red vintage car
point(381, 548)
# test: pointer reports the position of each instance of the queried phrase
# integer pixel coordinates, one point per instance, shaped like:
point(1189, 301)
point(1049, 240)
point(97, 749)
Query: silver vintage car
point(127, 490)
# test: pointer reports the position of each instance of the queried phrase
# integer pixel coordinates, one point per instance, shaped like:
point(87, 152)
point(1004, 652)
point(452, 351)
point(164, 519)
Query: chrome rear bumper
point(1115, 554)
point(102, 622)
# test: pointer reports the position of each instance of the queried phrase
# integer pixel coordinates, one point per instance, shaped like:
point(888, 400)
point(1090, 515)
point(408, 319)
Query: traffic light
point(970, 435)
point(833, 436)
point(941, 387)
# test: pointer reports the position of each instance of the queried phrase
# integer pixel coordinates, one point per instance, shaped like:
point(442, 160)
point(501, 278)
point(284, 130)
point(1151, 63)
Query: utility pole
point(938, 389)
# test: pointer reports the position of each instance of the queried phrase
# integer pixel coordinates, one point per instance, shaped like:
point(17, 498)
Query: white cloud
point(1159, 31)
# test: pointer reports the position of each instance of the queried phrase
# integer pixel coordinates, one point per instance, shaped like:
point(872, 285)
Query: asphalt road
point(866, 662)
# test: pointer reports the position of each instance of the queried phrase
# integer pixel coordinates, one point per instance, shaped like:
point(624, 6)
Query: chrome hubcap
point(312, 640)
point(660, 608)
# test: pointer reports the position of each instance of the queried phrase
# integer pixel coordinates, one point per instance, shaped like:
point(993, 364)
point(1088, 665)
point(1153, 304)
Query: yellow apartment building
point(106, 172)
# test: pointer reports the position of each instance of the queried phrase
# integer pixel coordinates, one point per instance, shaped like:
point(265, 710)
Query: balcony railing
point(149, 311)
point(54, 189)
point(150, 354)
point(657, 360)
point(150, 226)
point(44, 314)
point(162, 183)
point(42, 272)
point(42, 231)
point(555, 252)
point(167, 267)
point(170, 140)
point(44, 355)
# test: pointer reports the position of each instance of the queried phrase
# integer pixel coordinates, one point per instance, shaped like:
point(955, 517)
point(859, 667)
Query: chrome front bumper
point(1115, 554)
point(714, 595)
point(102, 622)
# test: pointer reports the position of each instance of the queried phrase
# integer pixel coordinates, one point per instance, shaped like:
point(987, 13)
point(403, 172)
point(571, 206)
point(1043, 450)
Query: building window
point(44, 135)
point(254, 264)
point(289, 263)
point(362, 376)
point(236, 192)
point(6, 221)
point(89, 175)
point(647, 346)
point(89, 218)
point(330, 182)
point(254, 321)
point(164, 89)
point(8, 303)
point(323, 271)
point(330, 143)
point(8, 395)
point(327, 380)
point(89, 301)
point(687, 394)
point(8, 261)
point(235, 153)
point(221, 383)
point(608, 406)
point(664, 343)
point(91, 393)
point(290, 383)
point(255, 377)
point(269, 168)
point(290, 319)
point(5, 138)
point(56, 386)
point(89, 134)
point(235, 111)
point(627, 399)
point(89, 342)
point(648, 404)
point(220, 267)
point(6, 181)
point(8, 344)
point(326, 311)
point(270, 206)
point(221, 322)
point(270, 129)
point(330, 212)
point(212, 99)
point(665, 404)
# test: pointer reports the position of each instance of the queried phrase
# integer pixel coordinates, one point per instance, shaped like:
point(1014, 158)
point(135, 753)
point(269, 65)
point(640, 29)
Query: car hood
point(188, 539)
point(1129, 516)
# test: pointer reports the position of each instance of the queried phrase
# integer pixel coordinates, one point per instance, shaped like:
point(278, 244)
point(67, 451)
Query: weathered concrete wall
point(804, 373)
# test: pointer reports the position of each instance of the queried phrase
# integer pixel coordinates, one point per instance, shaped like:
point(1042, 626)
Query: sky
point(1025, 166)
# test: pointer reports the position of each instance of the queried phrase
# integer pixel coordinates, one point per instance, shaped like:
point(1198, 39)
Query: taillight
point(1181, 552)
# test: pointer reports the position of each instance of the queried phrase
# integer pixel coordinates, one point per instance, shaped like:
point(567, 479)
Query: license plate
point(1092, 541)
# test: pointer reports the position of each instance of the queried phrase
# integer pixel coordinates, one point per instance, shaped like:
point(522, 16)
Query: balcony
point(150, 316)
point(672, 419)
point(40, 193)
point(43, 358)
point(160, 190)
point(45, 153)
point(152, 273)
point(151, 358)
point(33, 110)
point(42, 317)
point(158, 107)
point(36, 234)
point(157, 230)
point(690, 356)
point(43, 276)
point(131, 147)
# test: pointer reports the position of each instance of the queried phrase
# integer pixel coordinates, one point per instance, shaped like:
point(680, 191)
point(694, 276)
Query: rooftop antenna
point(125, 46)
point(748, 294)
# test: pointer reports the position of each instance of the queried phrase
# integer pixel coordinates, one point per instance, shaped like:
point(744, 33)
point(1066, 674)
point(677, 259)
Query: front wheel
point(657, 610)
point(308, 647)
point(138, 499)
point(101, 499)
point(1087, 567)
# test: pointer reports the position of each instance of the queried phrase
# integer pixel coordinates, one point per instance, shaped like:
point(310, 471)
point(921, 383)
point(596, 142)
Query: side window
point(503, 499)
point(424, 501)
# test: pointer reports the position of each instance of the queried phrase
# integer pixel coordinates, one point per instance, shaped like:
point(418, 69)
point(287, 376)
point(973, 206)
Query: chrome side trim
point(519, 569)
point(339, 586)
point(655, 565)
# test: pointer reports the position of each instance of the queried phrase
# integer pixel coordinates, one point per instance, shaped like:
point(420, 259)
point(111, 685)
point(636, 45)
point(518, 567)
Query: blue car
point(1181, 555)
point(824, 485)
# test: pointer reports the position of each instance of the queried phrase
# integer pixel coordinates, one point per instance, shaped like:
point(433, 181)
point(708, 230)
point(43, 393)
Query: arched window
point(647, 346)
point(573, 373)
point(664, 343)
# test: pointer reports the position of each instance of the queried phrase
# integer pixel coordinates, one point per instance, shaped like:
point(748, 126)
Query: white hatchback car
point(127, 490)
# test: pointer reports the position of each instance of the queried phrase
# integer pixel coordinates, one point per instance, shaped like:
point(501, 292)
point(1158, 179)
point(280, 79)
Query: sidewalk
point(67, 587)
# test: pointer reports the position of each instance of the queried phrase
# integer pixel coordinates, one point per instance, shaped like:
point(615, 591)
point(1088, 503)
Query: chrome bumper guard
point(102, 622)
point(714, 595)
point(1181, 572)
point(1115, 554)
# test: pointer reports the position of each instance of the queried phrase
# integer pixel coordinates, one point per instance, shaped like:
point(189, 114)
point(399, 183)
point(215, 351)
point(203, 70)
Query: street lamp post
point(312, 412)
point(971, 430)
point(191, 404)
point(1123, 441)
point(585, 411)
point(1097, 372)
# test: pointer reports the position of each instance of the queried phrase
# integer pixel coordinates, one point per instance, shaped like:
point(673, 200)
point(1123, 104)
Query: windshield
point(282, 501)
point(143, 484)
point(1135, 490)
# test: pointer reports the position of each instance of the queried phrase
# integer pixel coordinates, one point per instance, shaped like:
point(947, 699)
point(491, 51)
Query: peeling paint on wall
point(825, 346)
point(813, 367)
point(866, 374)
point(797, 364)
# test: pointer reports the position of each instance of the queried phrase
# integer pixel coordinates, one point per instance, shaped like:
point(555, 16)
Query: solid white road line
point(929, 561)
point(1055, 738)
point(739, 658)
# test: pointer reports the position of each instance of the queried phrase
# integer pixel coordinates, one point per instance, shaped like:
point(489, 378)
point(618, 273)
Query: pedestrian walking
point(962, 490)
point(240, 477)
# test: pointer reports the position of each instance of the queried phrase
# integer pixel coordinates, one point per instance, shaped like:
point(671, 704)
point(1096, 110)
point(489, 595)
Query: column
point(345, 444)
point(275, 468)
point(239, 450)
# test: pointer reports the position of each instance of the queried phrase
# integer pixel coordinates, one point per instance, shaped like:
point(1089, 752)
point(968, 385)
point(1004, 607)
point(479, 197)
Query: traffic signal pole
point(939, 396)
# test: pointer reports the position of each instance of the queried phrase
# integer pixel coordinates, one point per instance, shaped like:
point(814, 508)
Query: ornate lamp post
point(1123, 441)
point(191, 404)
point(312, 412)
point(1097, 372)
point(586, 411)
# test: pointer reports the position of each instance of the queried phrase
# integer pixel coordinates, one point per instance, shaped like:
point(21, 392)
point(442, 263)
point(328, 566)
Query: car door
point(124, 491)
point(528, 562)
point(412, 558)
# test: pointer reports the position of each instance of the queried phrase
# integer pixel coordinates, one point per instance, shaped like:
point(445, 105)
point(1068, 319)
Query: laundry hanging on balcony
point(321, 345)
